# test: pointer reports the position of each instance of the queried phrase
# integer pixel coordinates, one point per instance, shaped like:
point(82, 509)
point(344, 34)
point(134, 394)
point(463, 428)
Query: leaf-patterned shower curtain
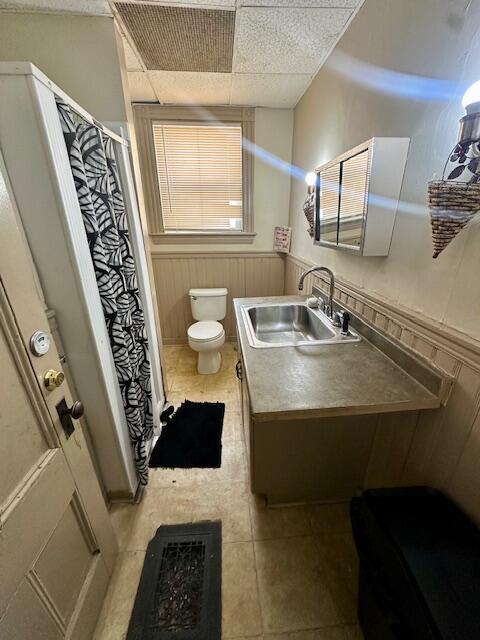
point(99, 192)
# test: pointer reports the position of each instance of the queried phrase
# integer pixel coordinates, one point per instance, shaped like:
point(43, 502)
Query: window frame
point(145, 115)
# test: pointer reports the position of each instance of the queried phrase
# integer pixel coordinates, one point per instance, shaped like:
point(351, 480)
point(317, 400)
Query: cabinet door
point(353, 193)
point(327, 207)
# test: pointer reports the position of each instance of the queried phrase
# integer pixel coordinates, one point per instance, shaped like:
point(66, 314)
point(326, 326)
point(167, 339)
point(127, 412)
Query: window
point(199, 171)
point(197, 174)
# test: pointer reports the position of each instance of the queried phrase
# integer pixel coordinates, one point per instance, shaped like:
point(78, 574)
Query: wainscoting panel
point(244, 274)
point(441, 447)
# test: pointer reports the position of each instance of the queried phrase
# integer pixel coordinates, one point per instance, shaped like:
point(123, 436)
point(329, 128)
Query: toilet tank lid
point(203, 293)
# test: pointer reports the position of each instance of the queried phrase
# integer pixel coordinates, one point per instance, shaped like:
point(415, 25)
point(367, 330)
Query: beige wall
point(273, 133)
point(435, 38)
point(78, 53)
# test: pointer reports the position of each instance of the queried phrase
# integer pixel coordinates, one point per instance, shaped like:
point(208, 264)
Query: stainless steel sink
point(286, 325)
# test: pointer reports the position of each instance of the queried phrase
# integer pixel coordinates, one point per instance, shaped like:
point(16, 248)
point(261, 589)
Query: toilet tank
point(208, 304)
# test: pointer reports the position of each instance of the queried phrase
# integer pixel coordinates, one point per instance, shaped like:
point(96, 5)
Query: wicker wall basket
point(452, 205)
point(309, 211)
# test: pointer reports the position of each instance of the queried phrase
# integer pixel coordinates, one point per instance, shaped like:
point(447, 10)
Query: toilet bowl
point(207, 335)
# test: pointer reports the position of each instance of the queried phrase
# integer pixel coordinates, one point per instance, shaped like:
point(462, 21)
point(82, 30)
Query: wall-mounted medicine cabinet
point(356, 197)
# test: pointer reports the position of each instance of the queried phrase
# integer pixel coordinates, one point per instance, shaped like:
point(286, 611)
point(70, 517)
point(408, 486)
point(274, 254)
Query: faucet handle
point(345, 322)
point(342, 319)
point(337, 318)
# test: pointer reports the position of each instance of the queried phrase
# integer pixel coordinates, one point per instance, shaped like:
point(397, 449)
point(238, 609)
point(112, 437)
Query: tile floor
point(288, 573)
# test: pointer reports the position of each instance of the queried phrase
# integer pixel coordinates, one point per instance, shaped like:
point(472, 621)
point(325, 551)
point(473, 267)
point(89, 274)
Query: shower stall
point(75, 193)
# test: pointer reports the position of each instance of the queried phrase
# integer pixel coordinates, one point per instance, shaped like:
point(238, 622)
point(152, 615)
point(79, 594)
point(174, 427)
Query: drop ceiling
point(277, 47)
point(242, 52)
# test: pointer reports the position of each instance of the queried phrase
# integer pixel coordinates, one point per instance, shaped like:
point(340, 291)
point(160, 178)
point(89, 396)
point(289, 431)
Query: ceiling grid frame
point(258, 80)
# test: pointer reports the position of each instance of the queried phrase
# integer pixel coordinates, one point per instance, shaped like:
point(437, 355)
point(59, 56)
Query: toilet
point(207, 335)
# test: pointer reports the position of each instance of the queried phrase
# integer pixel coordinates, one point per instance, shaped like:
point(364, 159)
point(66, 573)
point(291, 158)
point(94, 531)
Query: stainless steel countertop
point(325, 380)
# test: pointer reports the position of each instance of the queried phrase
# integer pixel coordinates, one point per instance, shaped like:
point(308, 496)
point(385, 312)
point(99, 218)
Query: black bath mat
point(179, 595)
point(191, 438)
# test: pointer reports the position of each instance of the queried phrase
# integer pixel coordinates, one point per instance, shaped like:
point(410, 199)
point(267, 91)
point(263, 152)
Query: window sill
point(241, 237)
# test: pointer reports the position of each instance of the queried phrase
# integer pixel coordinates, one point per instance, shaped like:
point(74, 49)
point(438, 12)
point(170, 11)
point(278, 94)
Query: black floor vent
point(179, 595)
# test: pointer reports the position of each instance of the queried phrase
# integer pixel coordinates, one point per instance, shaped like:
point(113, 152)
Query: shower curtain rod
point(89, 118)
point(98, 125)
point(29, 69)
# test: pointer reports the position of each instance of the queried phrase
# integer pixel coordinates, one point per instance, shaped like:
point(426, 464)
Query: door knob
point(76, 410)
point(66, 413)
point(53, 379)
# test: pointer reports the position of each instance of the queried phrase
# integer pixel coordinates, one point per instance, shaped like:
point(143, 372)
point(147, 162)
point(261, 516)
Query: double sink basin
point(286, 325)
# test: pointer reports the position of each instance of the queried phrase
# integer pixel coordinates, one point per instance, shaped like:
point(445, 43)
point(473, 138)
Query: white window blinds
point(199, 171)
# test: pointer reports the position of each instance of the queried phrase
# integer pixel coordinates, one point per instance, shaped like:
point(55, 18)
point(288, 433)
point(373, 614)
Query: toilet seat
point(205, 331)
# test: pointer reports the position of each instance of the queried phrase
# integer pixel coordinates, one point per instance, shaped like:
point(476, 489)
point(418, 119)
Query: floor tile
point(331, 518)
point(240, 604)
point(327, 633)
point(233, 469)
point(176, 505)
point(281, 522)
point(118, 604)
point(190, 382)
point(341, 566)
point(122, 515)
point(232, 426)
point(293, 585)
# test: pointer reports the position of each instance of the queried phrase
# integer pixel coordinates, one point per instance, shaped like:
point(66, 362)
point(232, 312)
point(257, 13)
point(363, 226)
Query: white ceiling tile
point(207, 4)
point(88, 7)
point(185, 87)
point(140, 88)
point(268, 90)
point(131, 60)
point(285, 40)
point(329, 4)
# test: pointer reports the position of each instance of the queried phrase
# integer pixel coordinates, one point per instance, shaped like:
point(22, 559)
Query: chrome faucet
point(329, 310)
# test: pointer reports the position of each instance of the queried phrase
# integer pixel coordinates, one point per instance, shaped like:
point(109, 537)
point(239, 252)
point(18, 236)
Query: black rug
point(191, 438)
point(179, 594)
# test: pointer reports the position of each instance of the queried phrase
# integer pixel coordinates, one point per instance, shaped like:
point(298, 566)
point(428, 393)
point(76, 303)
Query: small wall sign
point(281, 239)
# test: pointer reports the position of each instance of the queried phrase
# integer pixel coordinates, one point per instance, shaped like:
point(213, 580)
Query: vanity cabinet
point(296, 460)
point(323, 422)
point(357, 194)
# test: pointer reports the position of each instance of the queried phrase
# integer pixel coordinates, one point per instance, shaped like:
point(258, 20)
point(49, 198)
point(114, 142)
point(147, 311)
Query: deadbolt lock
point(53, 379)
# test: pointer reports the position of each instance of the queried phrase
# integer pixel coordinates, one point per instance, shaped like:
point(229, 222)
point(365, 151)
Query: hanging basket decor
point(309, 211)
point(453, 203)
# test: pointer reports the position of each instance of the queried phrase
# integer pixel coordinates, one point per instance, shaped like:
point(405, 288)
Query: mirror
point(353, 200)
point(341, 194)
point(356, 197)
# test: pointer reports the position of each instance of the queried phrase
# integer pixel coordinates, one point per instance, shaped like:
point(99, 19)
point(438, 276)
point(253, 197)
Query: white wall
point(273, 133)
point(435, 38)
point(79, 53)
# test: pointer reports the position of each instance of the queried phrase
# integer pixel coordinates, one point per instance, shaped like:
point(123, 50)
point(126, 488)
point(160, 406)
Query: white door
point(57, 546)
